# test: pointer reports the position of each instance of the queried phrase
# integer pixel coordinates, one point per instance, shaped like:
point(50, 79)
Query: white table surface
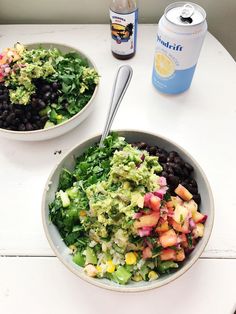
point(202, 120)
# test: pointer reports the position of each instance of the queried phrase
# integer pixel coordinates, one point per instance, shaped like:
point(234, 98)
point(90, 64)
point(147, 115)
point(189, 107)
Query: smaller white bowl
point(60, 129)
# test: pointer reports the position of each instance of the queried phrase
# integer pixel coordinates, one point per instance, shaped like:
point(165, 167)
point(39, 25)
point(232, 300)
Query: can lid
point(185, 13)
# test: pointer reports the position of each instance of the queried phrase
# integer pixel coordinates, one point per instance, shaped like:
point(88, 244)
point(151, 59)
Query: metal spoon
point(122, 81)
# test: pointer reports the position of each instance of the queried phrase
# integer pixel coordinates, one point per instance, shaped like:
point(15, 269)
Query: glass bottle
point(123, 21)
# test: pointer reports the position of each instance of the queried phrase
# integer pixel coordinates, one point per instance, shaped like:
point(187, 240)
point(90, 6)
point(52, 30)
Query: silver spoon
point(122, 81)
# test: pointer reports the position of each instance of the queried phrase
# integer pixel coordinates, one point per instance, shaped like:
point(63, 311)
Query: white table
point(202, 120)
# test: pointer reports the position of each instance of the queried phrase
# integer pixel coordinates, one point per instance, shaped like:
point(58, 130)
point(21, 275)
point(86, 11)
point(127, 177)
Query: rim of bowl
point(78, 113)
point(153, 284)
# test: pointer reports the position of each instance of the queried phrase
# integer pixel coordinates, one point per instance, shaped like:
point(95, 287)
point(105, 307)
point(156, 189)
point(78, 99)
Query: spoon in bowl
point(122, 81)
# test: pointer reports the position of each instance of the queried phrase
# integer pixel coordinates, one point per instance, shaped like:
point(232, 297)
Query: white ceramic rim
point(153, 284)
point(27, 133)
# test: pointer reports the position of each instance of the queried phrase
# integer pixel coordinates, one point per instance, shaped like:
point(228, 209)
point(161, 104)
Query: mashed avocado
point(113, 202)
point(33, 64)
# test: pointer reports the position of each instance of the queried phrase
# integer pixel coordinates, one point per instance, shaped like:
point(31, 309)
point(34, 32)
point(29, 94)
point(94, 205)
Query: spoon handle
point(122, 81)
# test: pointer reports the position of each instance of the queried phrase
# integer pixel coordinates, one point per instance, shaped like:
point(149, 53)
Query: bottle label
point(123, 32)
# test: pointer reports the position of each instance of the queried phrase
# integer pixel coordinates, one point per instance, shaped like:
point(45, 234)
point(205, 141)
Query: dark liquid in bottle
point(123, 57)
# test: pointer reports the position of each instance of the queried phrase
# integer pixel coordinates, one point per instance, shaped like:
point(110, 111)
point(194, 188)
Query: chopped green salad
point(115, 214)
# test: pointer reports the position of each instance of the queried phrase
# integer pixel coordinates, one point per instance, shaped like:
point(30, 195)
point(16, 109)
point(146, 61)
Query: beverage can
point(180, 35)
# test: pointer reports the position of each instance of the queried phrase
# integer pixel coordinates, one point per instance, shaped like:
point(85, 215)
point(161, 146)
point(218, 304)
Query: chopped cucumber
point(49, 124)
point(64, 198)
point(90, 257)
point(79, 259)
point(121, 275)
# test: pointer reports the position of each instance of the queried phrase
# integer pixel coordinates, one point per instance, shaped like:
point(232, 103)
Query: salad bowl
point(62, 251)
point(67, 124)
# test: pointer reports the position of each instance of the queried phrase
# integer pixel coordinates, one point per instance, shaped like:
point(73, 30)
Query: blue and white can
point(181, 32)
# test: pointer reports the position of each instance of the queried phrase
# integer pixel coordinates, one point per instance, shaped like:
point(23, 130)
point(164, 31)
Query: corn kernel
point(130, 258)
point(110, 266)
point(82, 213)
point(137, 277)
point(99, 268)
point(152, 275)
point(73, 248)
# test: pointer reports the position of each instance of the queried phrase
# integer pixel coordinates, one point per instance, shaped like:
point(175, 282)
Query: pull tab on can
point(187, 12)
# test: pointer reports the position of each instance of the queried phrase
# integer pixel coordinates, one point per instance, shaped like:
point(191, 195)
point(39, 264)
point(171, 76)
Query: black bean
point(34, 101)
point(162, 158)
point(164, 174)
point(188, 166)
point(18, 112)
point(178, 170)
point(141, 145)
point(21, 127)
point(47, 96)
point(28, 115)
point(173, 154)
point(4, 114)
point(178, 160)
point(197, 198)
point(152, 150)
point(3, 97)
point(41, 104)
point(193, 182)
point(5, 124)
point(17, 121)
point(46, 88)
point(173, 180)
point(44, 119)
point(1, 124)
point(28, 126)
point(53, 96)
point(10, 118)
point(192, 190)
point(170, 159)
point(55, 86)
point(185, 172)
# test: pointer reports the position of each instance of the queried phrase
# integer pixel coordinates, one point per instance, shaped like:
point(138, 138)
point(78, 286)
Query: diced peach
point(147, 220)
point(167, 255)
point(181, 227)
point(198, 231)
point(191, 205)
point(180, 214)
point(180, 256)
point(168, 238)
point(199, 217)
point(155, 203)
point(162, 227)
point(176, 200)
point(183, 193)
point(147, 253)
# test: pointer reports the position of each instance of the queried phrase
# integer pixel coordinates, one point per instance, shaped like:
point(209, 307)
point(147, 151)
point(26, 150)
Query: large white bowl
point(57, 130)
point(61, 250)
